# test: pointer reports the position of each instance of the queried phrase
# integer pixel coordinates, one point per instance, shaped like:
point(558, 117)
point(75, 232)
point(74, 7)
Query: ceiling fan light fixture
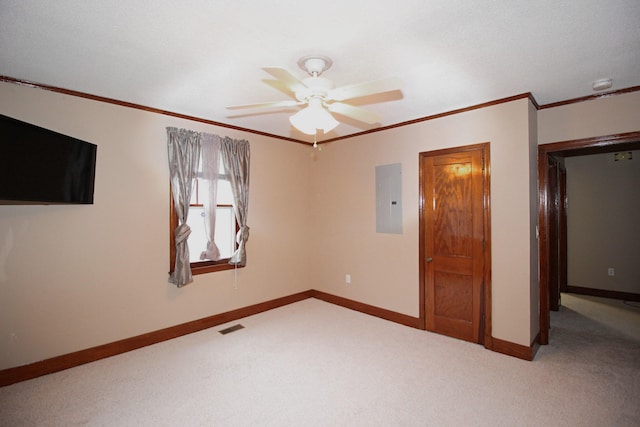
point(313, 117)
point(321, 97)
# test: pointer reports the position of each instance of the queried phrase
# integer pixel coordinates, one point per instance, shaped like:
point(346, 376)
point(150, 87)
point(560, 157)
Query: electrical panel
point(389, 198)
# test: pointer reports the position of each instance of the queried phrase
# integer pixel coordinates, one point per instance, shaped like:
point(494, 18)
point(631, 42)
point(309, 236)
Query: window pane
point(225, 231)
point(194, 195)
point(202, 193)
point(197, 191)
point(225, 196)
point(198, 238)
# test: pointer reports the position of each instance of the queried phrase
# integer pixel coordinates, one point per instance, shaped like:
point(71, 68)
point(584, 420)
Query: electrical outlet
point(611, 271)
point(347, 279)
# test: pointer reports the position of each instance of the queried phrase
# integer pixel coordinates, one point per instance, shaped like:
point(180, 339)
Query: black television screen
point(40, 166)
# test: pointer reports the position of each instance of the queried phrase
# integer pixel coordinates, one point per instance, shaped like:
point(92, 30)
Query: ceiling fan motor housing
point(315, 87)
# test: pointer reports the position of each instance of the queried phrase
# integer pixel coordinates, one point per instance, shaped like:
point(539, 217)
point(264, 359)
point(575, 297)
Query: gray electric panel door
point(389, 198)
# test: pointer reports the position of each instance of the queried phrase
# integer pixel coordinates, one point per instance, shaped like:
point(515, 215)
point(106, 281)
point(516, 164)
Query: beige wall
point(602, 222)
point(73, 277)
point(384, 267)
point(604, 116)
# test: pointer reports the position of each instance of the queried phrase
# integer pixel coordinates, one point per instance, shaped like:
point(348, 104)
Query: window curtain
point(210, 171)
point(235, 157)
point(184, 153)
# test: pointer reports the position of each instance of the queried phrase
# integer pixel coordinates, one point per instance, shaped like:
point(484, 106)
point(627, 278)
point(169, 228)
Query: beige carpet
point(315, 364)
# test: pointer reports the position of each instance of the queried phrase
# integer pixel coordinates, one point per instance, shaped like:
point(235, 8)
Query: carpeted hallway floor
point(316, 364)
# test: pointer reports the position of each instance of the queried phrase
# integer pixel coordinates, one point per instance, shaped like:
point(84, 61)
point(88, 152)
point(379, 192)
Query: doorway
point(455, 247)
point(549, 240)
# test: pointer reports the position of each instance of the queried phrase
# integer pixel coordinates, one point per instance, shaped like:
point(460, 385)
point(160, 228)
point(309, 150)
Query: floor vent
point(231, 329)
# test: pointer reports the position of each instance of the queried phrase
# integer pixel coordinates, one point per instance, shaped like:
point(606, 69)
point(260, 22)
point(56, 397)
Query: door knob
point(429, 259)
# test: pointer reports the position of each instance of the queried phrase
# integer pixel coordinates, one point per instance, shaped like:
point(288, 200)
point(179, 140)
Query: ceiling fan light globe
point(314, 117)
point(325, 121)
point(302, 125)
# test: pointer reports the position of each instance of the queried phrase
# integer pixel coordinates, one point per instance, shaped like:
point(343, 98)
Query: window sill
point(212, 267)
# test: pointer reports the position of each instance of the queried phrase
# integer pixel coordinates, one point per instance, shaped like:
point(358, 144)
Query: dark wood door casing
point(555, 231)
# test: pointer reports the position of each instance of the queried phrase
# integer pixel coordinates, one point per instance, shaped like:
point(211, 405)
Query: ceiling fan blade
point(282, 74)
point(356, 113)
point(275, 104)
point(363, 89)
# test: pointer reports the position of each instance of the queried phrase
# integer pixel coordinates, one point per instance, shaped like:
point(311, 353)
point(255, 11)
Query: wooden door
point(454, 208)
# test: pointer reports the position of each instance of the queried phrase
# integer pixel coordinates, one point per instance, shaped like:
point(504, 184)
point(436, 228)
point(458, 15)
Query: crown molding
point(298, 141)
point(591, 97)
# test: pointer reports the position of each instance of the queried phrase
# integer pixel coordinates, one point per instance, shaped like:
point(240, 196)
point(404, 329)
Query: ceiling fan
point(321, 97)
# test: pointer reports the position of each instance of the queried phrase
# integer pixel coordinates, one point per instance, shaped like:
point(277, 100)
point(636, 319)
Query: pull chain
point(315, 142)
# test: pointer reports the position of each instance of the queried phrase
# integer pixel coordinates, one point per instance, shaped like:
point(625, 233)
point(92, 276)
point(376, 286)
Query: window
point(226, 225)
point(186, 151)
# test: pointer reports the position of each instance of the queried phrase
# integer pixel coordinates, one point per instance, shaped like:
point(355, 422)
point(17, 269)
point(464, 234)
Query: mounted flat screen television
point(40, 166)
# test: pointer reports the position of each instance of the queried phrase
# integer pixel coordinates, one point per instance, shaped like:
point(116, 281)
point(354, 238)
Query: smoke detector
point(602, 84)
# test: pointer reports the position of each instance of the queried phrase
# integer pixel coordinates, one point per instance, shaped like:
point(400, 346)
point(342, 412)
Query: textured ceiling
point(196, 57)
